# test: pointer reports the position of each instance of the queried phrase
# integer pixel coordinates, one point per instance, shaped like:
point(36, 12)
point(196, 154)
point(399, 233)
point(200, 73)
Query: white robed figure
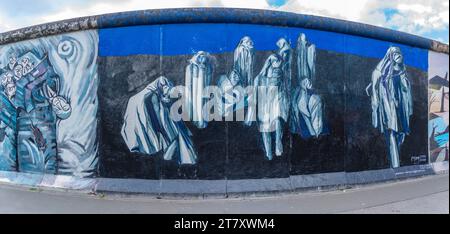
point(198, 76)
point(244, 56)
point(306, 58)
point(391, 99)
point(149, 129)
point(271, 106)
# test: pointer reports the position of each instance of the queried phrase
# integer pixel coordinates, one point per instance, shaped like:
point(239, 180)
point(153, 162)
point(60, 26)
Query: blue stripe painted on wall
point(179, 39)
point(129, 40)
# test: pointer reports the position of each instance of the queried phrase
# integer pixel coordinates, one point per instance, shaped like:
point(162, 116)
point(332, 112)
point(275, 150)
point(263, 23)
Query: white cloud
point(131, 5)
point(417, 8)
point(443, 15)
point(412, 16)
point(103, 8)
point(420, 17)
point(344, 9)
point(4, 25)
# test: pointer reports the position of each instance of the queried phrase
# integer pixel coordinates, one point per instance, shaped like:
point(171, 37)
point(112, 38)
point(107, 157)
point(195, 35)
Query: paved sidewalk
point(421, 195)
point(434, 203)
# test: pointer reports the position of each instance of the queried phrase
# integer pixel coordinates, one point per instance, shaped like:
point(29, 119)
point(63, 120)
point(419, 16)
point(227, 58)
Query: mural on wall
point(148, 127)
point(391, 101)
point(438, 106)
point(48, 87)
point(298, 99)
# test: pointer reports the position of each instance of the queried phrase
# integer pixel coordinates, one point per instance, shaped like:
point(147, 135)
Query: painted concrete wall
point(438, 106)
point(102, 103)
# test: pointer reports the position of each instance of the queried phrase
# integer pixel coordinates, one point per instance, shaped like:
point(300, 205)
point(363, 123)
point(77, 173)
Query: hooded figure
point(306, 116)
point(232, 95)
point(149, 129)
point(285, 52)
point(306, 58)
point(198, 76)
point(271, 107)
point(392, 104)
point(244, 56)
point(307, 110)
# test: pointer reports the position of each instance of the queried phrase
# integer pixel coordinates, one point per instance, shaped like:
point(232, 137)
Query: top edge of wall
point(220, 15)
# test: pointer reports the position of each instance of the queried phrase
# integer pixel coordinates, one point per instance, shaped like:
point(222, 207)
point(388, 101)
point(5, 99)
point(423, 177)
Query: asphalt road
point(421, 195)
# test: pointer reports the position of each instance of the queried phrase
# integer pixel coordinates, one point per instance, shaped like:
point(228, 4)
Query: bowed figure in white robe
point(244, 59)
point(391, 99)
point(149, 129)
point(198, 76)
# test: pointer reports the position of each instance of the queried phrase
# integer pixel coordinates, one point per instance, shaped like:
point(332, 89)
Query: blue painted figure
point(392, 104)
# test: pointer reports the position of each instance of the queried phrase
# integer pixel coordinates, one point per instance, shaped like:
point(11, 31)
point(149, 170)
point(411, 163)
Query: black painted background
point(228, 150)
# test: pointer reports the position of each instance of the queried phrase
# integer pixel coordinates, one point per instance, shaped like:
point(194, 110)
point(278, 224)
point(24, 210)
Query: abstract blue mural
point(48, 114)
point(438, 81)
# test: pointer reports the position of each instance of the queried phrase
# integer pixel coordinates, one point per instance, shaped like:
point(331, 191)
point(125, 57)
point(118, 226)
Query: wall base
point(222, 188)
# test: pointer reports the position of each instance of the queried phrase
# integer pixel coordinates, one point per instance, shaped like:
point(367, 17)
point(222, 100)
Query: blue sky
point(277, 3)
point(427, 18)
